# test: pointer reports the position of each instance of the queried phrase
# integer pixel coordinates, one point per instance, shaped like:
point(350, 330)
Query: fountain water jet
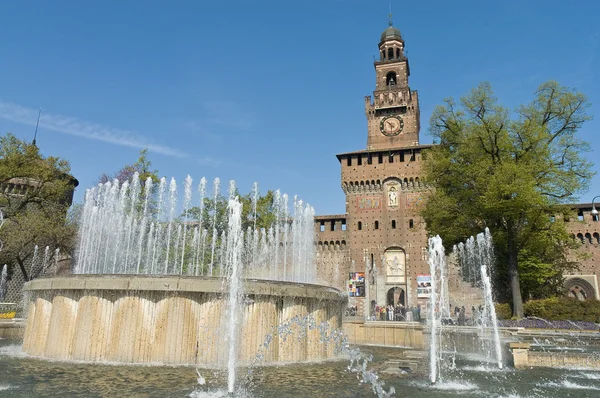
point(437, 268)
point(477, 259)
point(3, 279)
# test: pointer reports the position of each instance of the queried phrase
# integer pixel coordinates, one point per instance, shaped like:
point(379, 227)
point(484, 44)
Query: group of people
point(461, 315)
point(396, 313)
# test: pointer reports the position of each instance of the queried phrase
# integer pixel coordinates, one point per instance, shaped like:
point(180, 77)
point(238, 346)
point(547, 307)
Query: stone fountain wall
point(173, 320)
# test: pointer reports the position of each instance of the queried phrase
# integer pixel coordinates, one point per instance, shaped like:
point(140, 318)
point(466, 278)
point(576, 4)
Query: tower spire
point(36, 126)
point(390, 22)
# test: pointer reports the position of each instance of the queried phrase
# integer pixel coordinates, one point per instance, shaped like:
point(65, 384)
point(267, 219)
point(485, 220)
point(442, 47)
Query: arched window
point(359, 225)
point(390, 53)
point(580, 237)
point(390, 79)
point(588, 237)
point(596, 237)
point(393, 224)
point(411, 224)
point(376, 224)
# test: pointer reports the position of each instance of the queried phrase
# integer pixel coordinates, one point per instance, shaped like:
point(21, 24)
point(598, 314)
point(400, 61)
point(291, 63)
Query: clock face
point(391, 125)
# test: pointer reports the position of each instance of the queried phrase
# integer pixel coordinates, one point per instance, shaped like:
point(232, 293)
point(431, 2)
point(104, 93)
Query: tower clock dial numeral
point(391, 125)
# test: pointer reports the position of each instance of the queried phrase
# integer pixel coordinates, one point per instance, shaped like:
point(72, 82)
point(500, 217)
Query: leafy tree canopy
point(265, 212)
point(510, 172)
point(35, 194)
point(143, 166)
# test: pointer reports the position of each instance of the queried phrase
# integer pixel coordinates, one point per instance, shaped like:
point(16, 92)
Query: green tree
point(513, 173)
point(35, 194)
point(216, 212)
point(265, 212)
point(143, 166)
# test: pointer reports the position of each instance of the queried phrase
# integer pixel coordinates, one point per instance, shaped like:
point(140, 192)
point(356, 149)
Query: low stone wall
point(11, 329)
point(561, 360)
point(523, 357)
point(173, 320)
point(394, 334)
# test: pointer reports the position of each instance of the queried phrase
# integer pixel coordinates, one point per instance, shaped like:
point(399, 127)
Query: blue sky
point(268, 90)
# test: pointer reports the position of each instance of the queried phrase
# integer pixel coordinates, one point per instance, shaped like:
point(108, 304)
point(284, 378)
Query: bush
point(563, 308)
point(503, 311)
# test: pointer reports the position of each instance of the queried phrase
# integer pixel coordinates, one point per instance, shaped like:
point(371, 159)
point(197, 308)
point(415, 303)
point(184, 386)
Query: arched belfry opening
point(391, 79)
point(390, 55)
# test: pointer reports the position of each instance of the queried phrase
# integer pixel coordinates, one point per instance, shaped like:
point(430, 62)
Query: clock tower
point(393, 113)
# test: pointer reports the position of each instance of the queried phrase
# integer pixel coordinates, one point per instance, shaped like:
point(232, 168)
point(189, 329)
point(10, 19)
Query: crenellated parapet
point(410, 184)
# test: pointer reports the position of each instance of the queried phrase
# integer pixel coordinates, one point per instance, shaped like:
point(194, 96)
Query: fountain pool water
point(22, 376)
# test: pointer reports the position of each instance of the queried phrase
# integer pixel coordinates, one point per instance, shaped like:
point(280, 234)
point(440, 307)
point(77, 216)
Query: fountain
point(3, 282)
point(476, 258)
point(436, 305)
point(478, 255)
point(150, 287)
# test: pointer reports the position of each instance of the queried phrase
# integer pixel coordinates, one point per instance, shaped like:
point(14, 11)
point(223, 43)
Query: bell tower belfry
point(393, 112)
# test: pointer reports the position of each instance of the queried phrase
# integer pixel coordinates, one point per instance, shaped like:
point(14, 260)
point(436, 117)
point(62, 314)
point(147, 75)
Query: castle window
point(390, 54)
point(322, 229)
point(412, 156)
point(588, 237)
point(391, 158)
point(390, 79)
point(594, 217)
point(332, 226)
point(380, 158)
point(359, 160)
point(369, 159)
point(343, 225)
point(596, 237)
point(376, 224)
point(411, 224)
point(397, 53)
point(349, 160)
point(359, 225)
point(580, 215)
point(393, 224)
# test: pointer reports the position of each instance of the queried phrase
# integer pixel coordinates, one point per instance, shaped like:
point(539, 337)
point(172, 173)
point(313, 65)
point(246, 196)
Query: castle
point(377, 250)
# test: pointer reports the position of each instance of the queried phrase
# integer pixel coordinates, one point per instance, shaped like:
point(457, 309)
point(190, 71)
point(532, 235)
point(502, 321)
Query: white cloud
point(81, 128)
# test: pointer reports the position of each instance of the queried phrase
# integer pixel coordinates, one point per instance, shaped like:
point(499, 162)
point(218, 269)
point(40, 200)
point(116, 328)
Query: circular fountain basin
point(175, 320)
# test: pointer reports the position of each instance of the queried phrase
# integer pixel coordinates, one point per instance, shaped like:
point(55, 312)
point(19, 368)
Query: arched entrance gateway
point(580, 289)
point(396, 296)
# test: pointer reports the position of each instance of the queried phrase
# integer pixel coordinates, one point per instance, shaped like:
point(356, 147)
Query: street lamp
point(594, 211)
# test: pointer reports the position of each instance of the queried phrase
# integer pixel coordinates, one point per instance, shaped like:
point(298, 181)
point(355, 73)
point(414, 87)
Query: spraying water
point(3, 282)
point(490, 312)
point(437, 267)
point(235, 247)
point(128, 228)
point(477, 260)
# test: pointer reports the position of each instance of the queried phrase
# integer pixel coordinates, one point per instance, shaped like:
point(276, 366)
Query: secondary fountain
point(476, 259)
point(3, 281)
point(150, 287)
point(478, 255)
